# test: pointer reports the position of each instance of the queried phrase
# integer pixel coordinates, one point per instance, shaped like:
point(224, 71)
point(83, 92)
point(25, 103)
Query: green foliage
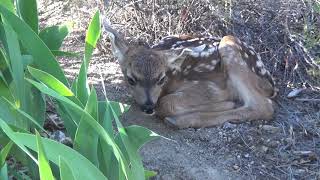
point(29, 74)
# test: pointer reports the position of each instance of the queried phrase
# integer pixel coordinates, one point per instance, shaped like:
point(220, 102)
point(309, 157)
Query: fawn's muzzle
point(148, 108)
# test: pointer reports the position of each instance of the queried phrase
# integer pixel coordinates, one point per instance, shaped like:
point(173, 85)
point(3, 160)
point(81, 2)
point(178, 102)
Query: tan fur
point(204, 86)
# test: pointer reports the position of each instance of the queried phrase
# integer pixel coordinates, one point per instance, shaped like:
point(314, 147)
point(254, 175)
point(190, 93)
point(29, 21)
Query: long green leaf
point(149, 174)
point(126, 139)
point(50, 81)
point(92, 37)
point(29, 13)
point(43, 58)
point(69, 118)
point(4, 153)
point(92, 122)
point(36, 108)
point(53, 36)
point(4, 172)
point(65, 170)
point(16, 66)
point(7, 130)
point(13, 115)
point(5, 69)
point(82, 168)
point(86, 140)
point(44, 166)
point(5, 91)
point(8, 4)
point(138, 136)
point(106, 157)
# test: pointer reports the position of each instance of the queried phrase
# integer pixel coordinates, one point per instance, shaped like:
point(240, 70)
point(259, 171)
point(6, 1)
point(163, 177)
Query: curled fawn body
point(196, 81)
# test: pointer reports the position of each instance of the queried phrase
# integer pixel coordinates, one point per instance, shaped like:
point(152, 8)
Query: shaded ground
point(288, 147)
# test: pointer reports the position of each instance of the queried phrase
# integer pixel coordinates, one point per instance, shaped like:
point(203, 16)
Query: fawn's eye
point(131, 81)
point(161, 80)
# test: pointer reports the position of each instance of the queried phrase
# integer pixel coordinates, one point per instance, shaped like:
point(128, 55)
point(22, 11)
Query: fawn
point(196, 81)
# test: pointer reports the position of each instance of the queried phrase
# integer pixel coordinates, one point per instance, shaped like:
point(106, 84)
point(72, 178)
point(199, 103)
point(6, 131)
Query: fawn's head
point(145, 69)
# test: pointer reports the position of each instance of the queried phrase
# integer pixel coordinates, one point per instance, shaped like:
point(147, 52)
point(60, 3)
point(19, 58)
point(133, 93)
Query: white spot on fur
point(204, 54)
point(259, 57)
point(263, 71)
point(215, 43)
point(194, 54)
point(245, 44)
point(212, 49)
point(174, 72)
point(238, 41)
point(239, 47)
point(209, 67)
point(192, 40)
point(252, 52)
point(259, 63)
point(199, 68)
point(242, 63)
point(185, 72)
point(214, 62)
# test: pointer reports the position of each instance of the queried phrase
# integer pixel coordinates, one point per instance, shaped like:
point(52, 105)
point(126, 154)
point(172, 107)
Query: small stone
point(295, 92)
point(58, 136)
point(235, 167)
point(246, 155)
point(228, 125)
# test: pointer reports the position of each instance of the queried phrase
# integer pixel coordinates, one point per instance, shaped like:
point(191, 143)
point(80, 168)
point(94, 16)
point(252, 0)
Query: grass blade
point(28, 11)
point(5, 91)
point(92, 37)
point(14, 115)
point(50, 81)
point(16, 65)
point(42, 56)
point(8, 4)
point(82, 167)
point(7, 130)
point(129, 145)
point(4, 153)
point(44, 166)
point(92, 122)
point(4, 172)
point(36, 105)
point(86, 139)
point(65, 170)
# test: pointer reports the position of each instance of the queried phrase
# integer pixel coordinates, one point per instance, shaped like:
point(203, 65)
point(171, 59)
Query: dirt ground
point(287, 147)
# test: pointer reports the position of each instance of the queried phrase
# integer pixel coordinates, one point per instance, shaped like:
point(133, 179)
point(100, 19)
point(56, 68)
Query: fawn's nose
point(148, 108)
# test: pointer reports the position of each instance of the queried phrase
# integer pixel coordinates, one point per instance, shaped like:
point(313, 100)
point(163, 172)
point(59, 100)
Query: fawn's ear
point(175, 50)
point(118, 45)
point(174, 57)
